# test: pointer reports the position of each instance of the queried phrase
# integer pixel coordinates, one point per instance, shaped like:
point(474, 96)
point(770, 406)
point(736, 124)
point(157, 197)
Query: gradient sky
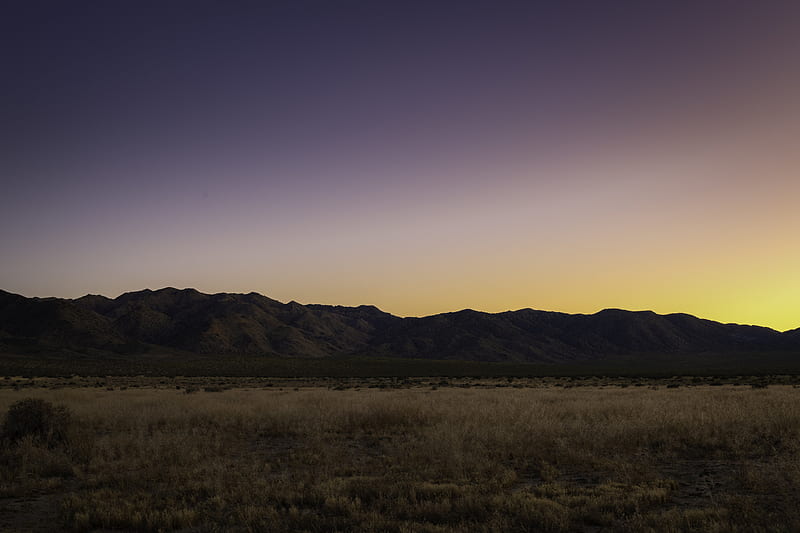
point(419, 156)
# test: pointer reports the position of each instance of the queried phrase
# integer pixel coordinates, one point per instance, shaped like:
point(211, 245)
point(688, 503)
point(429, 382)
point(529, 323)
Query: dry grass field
point(414, 456)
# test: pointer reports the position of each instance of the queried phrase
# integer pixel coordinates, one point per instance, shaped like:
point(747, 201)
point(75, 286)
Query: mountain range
point(185, 320)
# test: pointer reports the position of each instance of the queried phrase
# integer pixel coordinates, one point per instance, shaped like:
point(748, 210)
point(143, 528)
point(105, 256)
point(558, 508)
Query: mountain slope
point(189, 321)
point(227, 323)
point(54, 322)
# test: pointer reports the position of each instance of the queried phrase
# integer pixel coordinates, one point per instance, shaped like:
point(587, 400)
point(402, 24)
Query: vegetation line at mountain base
point(67, 364)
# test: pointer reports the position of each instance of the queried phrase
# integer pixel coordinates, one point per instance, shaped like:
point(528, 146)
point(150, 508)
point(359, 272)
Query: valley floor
point(436, 455)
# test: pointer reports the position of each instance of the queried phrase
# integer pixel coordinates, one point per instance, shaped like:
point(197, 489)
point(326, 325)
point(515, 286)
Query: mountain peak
point(226, 323)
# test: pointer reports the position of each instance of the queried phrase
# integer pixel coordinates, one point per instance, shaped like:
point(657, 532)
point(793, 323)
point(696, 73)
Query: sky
point(422, 157)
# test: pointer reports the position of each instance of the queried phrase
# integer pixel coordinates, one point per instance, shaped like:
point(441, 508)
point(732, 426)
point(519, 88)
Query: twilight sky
point(419, 156)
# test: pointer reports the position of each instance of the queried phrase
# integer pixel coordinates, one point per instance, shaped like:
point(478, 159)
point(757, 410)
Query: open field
point(422, 454)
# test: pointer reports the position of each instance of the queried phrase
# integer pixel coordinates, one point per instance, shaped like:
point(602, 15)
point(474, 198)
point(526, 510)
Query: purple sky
point(420, 156)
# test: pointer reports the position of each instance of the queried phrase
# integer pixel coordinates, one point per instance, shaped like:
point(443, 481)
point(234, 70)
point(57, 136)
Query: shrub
point(38, 419)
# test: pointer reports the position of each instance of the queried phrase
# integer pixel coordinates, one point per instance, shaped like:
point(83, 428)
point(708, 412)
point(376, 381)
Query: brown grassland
point(142, 454)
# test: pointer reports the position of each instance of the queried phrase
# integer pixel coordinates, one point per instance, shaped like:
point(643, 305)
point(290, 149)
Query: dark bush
point(36, 418)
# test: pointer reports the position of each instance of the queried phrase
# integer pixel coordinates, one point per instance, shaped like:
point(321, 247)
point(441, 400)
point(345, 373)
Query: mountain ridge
point(187, 320)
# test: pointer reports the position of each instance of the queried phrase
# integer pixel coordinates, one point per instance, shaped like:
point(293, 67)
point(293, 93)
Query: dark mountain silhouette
point(186, 320)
